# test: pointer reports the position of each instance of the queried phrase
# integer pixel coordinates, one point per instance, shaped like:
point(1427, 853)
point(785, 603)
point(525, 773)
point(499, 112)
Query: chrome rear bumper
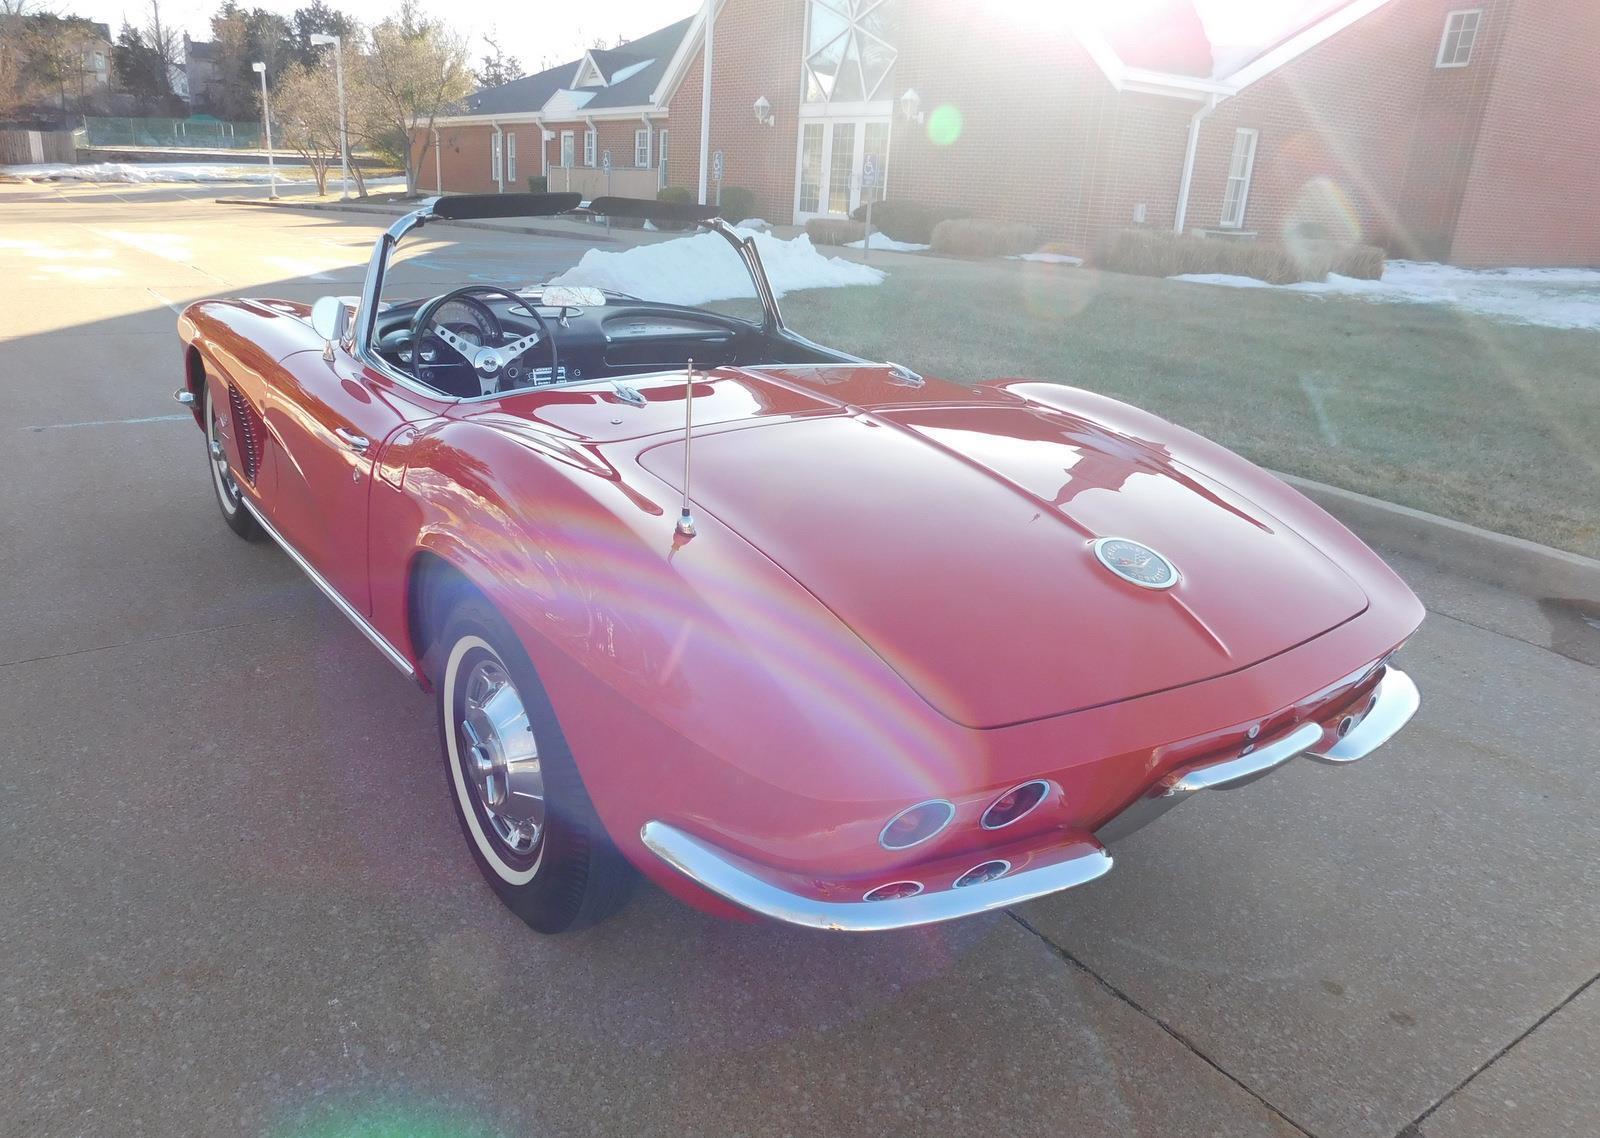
point(1394, 702)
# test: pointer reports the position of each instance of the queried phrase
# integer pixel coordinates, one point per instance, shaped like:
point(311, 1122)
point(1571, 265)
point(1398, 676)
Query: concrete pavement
point(238, 902)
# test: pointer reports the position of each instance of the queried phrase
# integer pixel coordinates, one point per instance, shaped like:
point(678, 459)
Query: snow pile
point(694, 270)
point(1549, 298)
point(153, 172)
point(889, 245)
point(1048, 258)
point(756, 223)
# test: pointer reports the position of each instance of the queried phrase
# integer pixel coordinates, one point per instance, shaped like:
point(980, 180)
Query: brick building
point(1464, 130)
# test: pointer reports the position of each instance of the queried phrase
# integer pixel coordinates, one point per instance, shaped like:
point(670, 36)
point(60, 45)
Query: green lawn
point(1491, 423)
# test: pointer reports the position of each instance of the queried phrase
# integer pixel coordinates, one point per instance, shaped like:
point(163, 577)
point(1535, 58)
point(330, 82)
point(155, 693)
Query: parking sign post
point(605, 165)
point(869, 189)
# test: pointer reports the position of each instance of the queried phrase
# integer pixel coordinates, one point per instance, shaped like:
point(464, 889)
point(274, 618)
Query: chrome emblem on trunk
point(1135, 563)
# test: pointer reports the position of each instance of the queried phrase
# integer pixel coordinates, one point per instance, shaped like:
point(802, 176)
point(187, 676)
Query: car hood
point(957, 542)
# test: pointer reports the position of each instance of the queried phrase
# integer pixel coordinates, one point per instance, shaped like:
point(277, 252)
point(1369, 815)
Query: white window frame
point(642, 139)
point(495, 175)
point(569, 149)
point(590, 142)
point(1240, 137)
point(1456, 27)
point(511, 158)
point(661, 151)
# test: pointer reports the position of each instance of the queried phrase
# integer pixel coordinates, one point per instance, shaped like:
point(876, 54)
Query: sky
point(538, 32)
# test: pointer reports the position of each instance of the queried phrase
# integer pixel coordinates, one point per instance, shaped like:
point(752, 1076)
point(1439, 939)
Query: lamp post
point(319, 39)
point(266, 118)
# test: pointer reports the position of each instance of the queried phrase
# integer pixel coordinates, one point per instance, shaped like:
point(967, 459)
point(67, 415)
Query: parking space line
point(110, 422)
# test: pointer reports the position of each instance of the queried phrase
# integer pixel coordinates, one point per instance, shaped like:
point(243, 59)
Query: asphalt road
point(236, 900)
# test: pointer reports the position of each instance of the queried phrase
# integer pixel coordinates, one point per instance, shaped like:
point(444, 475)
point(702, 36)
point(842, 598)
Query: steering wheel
point(491, 362)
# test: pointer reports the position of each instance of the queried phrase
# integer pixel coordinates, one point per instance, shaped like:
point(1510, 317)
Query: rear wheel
point(518, 796)
point(240, 520)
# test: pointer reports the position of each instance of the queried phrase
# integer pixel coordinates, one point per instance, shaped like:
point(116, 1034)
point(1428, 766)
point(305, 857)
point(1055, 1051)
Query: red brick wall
point(1360, 137)
point(1533, 192)
point(464, 151)
point(756, 53)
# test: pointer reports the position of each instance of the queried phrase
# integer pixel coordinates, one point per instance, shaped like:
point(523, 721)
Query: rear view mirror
point(330, 319)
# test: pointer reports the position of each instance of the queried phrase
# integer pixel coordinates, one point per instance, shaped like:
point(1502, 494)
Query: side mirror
point(330, 319)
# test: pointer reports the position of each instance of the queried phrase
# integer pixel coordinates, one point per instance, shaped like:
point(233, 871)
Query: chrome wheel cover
point(500, 756)
point(221, 476)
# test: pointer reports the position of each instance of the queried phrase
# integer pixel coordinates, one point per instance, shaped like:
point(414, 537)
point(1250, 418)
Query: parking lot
point(238, 901)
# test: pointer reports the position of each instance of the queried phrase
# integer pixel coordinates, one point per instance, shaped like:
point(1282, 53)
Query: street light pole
point(318, 39)
point(266, 118)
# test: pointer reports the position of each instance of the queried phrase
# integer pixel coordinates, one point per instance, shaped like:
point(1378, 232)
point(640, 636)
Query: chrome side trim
point(1226, 775)
point(389, 650)
point(720, 873)
point(1394, 701)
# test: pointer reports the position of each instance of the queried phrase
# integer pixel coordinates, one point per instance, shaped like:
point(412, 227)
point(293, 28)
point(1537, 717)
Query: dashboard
point(621, 337)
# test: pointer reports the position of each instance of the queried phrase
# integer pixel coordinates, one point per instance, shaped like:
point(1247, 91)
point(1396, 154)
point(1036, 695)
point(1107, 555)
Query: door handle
point(357, 443)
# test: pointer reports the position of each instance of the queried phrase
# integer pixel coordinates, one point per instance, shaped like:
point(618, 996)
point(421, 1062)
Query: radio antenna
point(686, 518)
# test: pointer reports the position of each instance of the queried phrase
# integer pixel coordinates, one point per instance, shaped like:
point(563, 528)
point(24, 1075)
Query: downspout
point(1181, 218)
point(438, 167)
point(705, 101)
point(500, 163)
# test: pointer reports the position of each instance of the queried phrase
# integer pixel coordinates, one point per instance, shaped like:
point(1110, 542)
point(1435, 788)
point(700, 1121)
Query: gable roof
point(1162, 46)
point(630, 73)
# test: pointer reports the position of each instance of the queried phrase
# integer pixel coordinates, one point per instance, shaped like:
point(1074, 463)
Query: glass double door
point(834, 156)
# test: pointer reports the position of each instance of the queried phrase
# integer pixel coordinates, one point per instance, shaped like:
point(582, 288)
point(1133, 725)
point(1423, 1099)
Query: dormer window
point(849, 50)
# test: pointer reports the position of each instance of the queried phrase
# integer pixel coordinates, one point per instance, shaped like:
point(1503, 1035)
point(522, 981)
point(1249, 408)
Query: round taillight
point(985, 871)
point(894, 891)
point(1015, 804)
point(916, 824)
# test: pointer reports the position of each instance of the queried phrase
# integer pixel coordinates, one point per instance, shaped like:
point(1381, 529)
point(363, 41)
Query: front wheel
point(518, 796)
point(229, 498)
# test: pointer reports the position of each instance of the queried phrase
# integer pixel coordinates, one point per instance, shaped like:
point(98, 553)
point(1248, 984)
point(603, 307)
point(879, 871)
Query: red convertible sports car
point(792, 633)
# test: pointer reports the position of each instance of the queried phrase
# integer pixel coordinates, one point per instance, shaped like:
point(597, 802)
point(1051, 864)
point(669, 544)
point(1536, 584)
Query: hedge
point(981, 237)
point(834, 231)
point(901, 219)
point(1151, 253)
point(738, 204)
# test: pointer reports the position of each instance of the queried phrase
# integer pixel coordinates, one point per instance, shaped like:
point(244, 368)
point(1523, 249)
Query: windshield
point(636, 260)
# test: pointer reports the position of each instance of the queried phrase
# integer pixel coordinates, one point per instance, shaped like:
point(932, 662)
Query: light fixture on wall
point(763, 109)
point(911, 105)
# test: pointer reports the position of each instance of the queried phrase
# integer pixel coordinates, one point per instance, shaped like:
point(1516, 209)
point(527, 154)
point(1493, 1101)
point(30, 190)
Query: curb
point(387, 211)
point(1495, 558)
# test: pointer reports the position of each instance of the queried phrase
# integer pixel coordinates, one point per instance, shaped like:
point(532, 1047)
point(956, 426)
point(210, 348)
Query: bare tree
point(167, 44)
point(13, 30)
point(305, 107)
point(416, 69)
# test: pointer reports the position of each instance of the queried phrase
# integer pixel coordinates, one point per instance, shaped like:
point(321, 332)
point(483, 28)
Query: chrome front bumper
point(1394, 702)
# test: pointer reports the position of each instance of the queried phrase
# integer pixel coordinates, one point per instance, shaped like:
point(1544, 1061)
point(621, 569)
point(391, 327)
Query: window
point(811, 168)
point(511, 158)
point(495, 174)
point(1240, 167)
point(1460, 33)
point(848, 50)
point(641, 148)
point(588, 147)
point(661, 150)
point(567, 149)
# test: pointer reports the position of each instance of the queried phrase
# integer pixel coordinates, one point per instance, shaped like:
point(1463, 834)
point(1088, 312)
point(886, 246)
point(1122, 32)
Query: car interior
point(607, 337)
